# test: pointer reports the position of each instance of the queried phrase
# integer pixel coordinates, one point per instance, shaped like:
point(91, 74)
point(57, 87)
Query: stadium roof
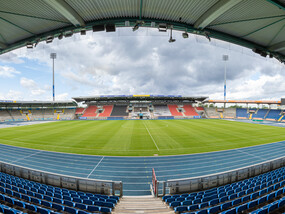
point(14, 103)
point(245, 101)
point(256, 24)
point(115, 98)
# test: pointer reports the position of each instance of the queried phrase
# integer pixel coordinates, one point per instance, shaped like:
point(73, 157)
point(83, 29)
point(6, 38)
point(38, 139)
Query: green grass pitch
point(140, 137)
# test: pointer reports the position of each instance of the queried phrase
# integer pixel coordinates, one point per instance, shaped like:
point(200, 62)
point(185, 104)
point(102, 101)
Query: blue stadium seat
point(105, 210)
point(93, 208)
point(270, 196)
point(174, 204)
point(193, 207)
point(181, 209)
point(214, 209)
point(43, 210)
point(231, 211)
point(226, 205)
point(273, 206)
point(186, 203)
point(46, 204)
point(214, 202)
point(31, 207)
point(69, 203)
point(203, 205)
point(202, 211)
point(252, 204)
point(241, 208)
point(262, 199)
point(70, 210)
point(57, 207)
point(236, 202)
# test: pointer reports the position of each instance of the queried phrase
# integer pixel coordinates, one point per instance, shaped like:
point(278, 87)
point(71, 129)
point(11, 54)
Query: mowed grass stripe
point(131, 137)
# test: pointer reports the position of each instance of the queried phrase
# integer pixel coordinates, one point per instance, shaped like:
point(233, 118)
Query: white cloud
point(63, 96)
point(11, 57)
point(145, 63)
point(28, 83)
point(8, 72)
point(32, 86)
point(12, 95)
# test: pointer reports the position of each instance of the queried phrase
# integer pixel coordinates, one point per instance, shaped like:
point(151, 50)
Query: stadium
point(148, 152)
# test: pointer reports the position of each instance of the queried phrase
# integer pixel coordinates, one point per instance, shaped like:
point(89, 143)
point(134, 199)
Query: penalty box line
point(151, 137)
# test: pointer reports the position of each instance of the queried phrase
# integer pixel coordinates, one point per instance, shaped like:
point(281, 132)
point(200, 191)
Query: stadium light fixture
point(225, 59)
point(68, 33)
point(83, 32)
point(97, 28)
point(162, 27)
point(207, 35)
point(49, 39)
point(53, 57)
point(37, 42)
point(260, 52)
point(29, 45)
point(185, 35)
point(127, 23)
point(138, 24)
point(110, 28)
point(60, 36)
point(171, 39)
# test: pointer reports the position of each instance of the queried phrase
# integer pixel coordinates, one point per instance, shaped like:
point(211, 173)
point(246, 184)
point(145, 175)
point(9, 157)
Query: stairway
point(141, 204)
point(250, 116)
point(280, 118)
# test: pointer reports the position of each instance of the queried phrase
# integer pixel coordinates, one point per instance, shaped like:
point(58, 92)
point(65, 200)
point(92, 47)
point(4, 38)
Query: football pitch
point(141, 137)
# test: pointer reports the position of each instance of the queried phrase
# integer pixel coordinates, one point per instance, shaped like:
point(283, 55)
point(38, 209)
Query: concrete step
point(141, 204)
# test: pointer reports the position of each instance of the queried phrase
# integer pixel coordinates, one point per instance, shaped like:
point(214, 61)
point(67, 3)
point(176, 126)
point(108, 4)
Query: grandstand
point(130, 107)
point(260, 194)
point(139, 106)
point(36, 110)
point(250, 179)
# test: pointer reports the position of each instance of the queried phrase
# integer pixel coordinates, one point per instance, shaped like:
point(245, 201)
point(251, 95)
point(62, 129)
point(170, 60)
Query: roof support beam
point(67, 11)
point(276, 3)
point(214, 12)
point(141, 4)
point(280, 46)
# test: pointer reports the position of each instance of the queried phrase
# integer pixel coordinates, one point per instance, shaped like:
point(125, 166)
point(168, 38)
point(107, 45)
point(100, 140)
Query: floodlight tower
point(225, 59)
point(53, 57)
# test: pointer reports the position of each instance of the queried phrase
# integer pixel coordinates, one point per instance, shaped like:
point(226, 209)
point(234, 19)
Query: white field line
point(151, 137)
point(95, 167)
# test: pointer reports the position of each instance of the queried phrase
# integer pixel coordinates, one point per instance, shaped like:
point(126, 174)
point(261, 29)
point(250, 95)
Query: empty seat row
point(34, 196)
point(230, 195)
point(8, 210)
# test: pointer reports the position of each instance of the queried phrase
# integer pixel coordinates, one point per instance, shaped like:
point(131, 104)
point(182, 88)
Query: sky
point(140, 62)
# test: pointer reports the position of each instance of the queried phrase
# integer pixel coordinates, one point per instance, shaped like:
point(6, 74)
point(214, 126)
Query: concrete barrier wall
point(178, 186)
point(105, 187)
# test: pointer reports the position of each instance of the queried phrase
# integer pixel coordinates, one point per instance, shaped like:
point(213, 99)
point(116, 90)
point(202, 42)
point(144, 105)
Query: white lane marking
point(95, 167)
point(26, 157)
point(151, 137)
point(250, 154)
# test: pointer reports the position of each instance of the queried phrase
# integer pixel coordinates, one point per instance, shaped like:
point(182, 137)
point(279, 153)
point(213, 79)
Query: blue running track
point(136, 172)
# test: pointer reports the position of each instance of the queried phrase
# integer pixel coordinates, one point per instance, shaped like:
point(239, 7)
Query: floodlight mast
point(53, 57)
point(225, 59)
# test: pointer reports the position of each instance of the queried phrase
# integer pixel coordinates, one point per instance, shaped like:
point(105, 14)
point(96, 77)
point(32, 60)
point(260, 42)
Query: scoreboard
point(283, 101)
